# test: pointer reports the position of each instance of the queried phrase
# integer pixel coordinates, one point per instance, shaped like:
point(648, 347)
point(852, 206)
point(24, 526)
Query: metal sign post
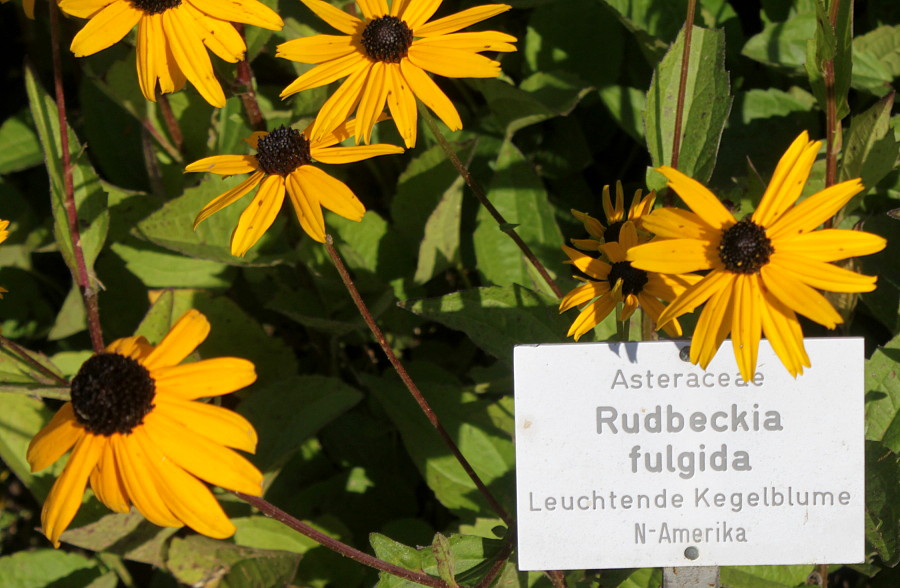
point(691, 577)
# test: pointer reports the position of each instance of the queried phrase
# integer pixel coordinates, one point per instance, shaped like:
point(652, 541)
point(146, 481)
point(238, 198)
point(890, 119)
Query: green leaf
point(626, 105)
point(884, 301)
point(443, 556)
point(465, 554)
point(171, 226)
point(783, 44)
point(90, 198)
point(198, 559)
point(264, 533)
point(654, 24)
point(21, 417)
point(45, 567)
point(707, 103)
point(19, 146)
point(870, 147)
point(318, 399)
point(497, 318)
point(764, 576)
point(882, 500)
point(439, 248)
point(883, 395)
point(876, 60)
point(643, 578)
point(128, 535)
point(831, 44)
point(159, 268)
point(71, 318)
point(519, 195)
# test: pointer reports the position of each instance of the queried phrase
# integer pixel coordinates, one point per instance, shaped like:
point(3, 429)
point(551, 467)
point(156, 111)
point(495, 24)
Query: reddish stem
point(171, 121)
point(80, 274)
point(682, 88)
point(407, 380)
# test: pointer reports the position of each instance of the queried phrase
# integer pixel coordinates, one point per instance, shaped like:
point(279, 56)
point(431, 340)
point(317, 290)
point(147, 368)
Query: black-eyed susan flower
point(619, 282)
point(385, 56)
point(283, 160)
point(27, 5)
point(138, 436)
point(173, 37)
point(765, 268)
point(615, 217)
point(4, 233)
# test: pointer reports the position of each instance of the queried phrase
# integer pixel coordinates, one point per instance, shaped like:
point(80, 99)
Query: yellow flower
point(617, 281)
point(386, 54)
point(615, 218)
point(28, 5)
point(283, 160)
point(3, 235)
point(140, 440)
point(765, 269)
point(171, 37)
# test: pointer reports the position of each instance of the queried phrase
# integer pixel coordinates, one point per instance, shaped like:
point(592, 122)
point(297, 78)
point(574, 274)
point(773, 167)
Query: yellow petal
point(84, 8)
point(318, 48)
point(149, 54)
point(184, 39)
point(787, 182)
point(697, 294)
point(713, 326)
point(799, 297)
point(181, 340)
point(427, 91)
point(452, 63)
point(171, 78)
point(338, 108)
point(331, 193)
point(217, 424)
point(591, 225)
point(202, 457)
point(65, 497)
point(372, 9)
point(582, 294)
point(674, 256)
point(107, 482)
point(783, 331)
point(831, 244)
point(471, 42)
point(455, 22)
point(669, 286)
point(134, 347)
point(371, 102)
point(106, 28)
point(225, 165)
point(653, 307)
point(346, 23)
point(628, 237)
point(245, 11)
point(229, 197)
point(595, 268)
point(416, 13)
point(591, 316)
point(355, 153)
point(746, 325)
point(55, 439)
point(204, 378)
point(815, 210)
point(402, 104)
point(307, 208)
point(698, 198)
point(219, 36)
point(675, 223)
point(823, 276)
point(141, 485)
point(258, 216)
point(614, 251)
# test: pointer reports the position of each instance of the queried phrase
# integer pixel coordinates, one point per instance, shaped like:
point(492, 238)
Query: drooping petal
point(246, 11)
point(831, 244)
point(799, 297)
point(106, 28)
point(225, 165)
point(258, 216)
point(427, 91)
point(65, 497)
point(217, 424)
point(613, 251)
point(591, 316)
point(674, 256)
point(182, 339)
point(204, 378)
point(746, 325)
point(402, 104)
point(787, 182)
point(653, 307)
point(134, 347)
point(337, 109)
point(371, 102)
point(218, 35)
point(593, 226)
point(139, 480)
point(823, 276)
point(783, 331)
point(452, 63)
point(331, 193)
point(150, 56)
point(697, 294)
point(581, 294)
point(318, 48)
point(472, 42)
point(703, 202)
point(307, 208)
point(713, 326)
point(416, 13)
point(55, 439)
point(184, 39)
point(455, 22)
point(595, 268)
point(676, 223)
point(107, 484)
point(815, 210)
point(202, 457)
point(346, 23)
point(229, 197)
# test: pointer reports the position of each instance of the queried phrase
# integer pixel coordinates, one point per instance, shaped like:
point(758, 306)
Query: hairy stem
point(408, 382)
point(831, 122)
point(482, 198)
point(682, 89)
point(270, 510)
point(80, 273)
point(244, 89)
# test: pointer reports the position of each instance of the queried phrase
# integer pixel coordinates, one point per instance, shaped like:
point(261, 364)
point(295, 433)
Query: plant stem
point(682, 89)
point(171, 121)
point(502, 557)
point(482, 198)
point(80, 273)
point(23, 354)
point(831, 119)
point(270, 510)
point(558, 579)
point(407, 380)
point(245, 90)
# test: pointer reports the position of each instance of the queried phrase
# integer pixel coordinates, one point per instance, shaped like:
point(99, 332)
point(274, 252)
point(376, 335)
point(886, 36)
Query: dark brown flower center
point(387, 38)
point(611, 234)
point(112, 394)
point(745, 248)
point(154, 6)
point(633, 279)
point(282, 151)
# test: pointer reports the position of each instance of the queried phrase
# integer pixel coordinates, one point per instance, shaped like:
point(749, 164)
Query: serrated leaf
point(707, 102)
point(870, 147)
point(19, 146)
point(45, 567)
point(882, 500)
point(764, 576)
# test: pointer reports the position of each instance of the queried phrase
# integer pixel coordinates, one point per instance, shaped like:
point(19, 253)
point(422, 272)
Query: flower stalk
point(682, 88)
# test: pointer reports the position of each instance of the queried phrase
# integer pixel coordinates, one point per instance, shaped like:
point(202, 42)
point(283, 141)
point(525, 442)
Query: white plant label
point(628, 456)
